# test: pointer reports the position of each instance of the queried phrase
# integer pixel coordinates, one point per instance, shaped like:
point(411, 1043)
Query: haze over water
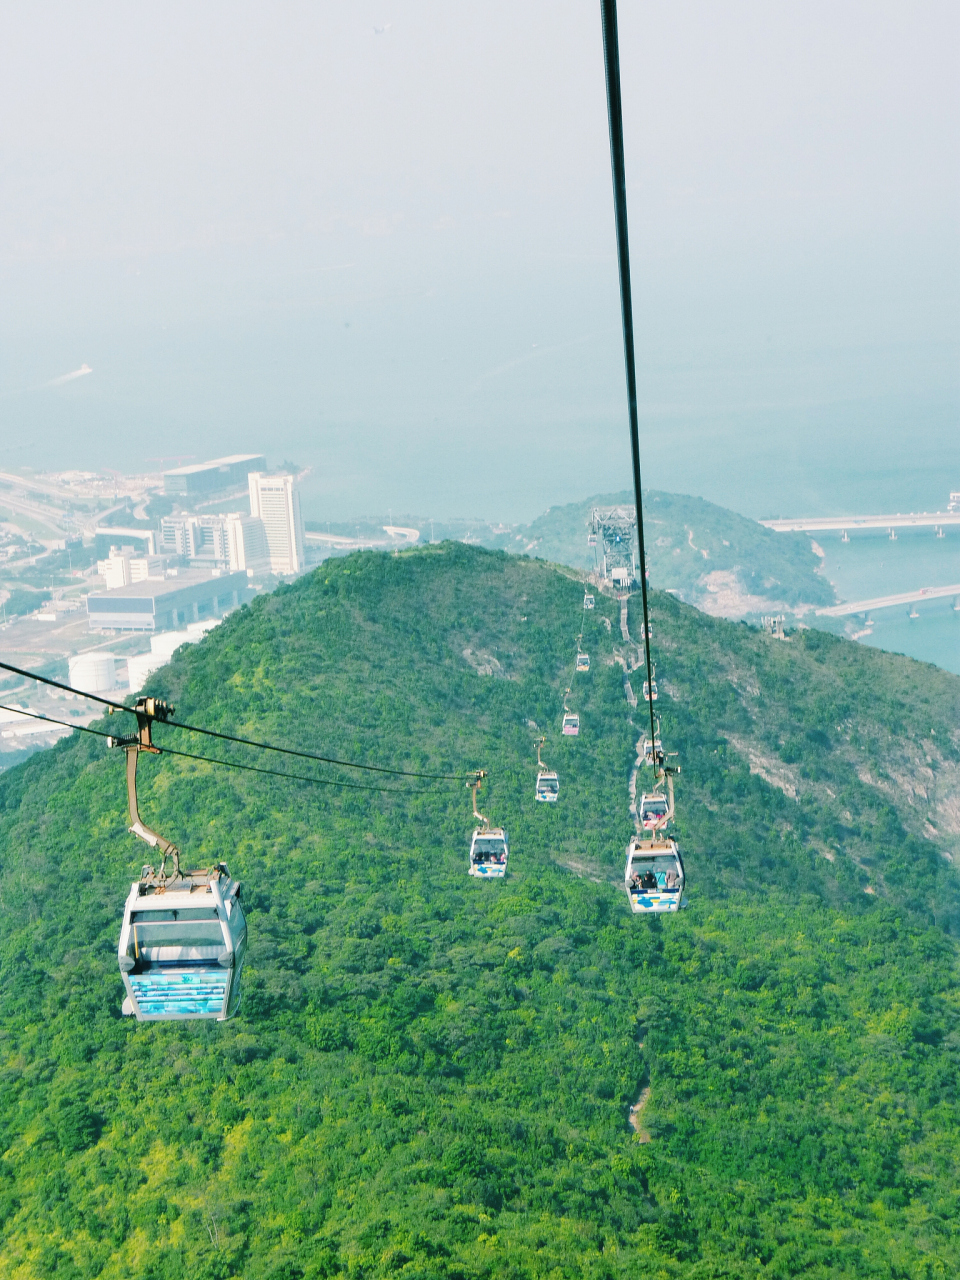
point(378, 240)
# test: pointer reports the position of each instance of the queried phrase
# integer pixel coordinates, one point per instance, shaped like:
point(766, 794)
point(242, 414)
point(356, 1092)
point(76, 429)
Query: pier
point(887, 602)
point(847, 524)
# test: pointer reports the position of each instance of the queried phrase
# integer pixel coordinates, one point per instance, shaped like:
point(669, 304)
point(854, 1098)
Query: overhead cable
point(611, 52)
point(227, 764)
point(246, 742)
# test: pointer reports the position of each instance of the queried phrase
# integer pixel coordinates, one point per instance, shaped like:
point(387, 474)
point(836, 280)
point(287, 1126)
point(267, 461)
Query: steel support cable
point(611, 57)
point(227, 764)
point(226, 737)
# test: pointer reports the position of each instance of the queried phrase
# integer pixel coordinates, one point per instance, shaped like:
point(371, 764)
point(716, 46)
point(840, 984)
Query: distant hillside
point(725, 564)
point(432, 1076)
point(722, 562)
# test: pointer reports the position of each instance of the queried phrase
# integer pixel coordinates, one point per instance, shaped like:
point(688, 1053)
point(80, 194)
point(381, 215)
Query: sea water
point(870, 565)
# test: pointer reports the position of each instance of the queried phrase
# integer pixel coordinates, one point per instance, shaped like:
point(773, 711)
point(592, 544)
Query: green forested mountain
point(708, 555)
point(432, 1076)
point(696, 549)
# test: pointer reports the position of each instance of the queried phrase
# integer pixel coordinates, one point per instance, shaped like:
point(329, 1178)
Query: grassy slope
point(678, 531)
point(430, 1075)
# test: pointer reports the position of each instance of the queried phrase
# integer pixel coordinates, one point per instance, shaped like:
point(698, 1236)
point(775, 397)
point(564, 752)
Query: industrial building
point(275, 501)
point(165, 605)
point(207, 479)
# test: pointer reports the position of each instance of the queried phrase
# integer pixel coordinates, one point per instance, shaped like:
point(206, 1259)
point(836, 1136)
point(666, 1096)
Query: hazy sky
point(377, 238)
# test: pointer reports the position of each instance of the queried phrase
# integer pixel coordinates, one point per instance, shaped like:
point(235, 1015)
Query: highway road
point(823, 524)
point(887, 602)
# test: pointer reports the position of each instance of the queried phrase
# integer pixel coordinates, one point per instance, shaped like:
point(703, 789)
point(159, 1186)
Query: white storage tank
point(140, 668)
point(93, 672)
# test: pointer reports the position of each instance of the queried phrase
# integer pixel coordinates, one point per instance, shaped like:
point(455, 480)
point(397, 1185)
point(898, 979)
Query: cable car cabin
point(653, 877)
point(181, 947)
point(489, 853)
point(652, 753)
point(548, 787)
point(591, 539)
point(583, 662)
point(588, 602)
point(650, 691)
point(571, 724)
point(653, 811)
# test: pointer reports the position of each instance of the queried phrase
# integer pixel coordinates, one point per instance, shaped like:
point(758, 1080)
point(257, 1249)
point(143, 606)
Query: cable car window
point(487, 848)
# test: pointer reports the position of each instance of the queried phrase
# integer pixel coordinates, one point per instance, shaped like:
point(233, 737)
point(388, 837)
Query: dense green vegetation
point(688, 539)
point(431, 1076)
point(690, 544)
point(21, 601)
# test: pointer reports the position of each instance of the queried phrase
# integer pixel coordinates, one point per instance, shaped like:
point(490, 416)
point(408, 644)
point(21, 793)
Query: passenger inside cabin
point(649, 880)
point(671, 881)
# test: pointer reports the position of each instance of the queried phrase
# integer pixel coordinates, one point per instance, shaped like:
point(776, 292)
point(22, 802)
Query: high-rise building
point(275, 501)
point(247, 543)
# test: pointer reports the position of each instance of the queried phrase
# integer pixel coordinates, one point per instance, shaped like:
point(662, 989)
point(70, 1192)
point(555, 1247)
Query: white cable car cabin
point(583, 662)
point(653, 876)
point(183, 936)
point(489, 850)
point(548, 787)
point(489, 853)
point(591, 539)
point(588, 602)
point(571, 724)
point(653, 811)
point(652, 754)
point(182, 945)
point(548, 784)
point(650, 690)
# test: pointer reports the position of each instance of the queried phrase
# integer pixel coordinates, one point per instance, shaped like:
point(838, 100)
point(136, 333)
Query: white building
point(200, 539)
point(275, 501)
point(247, 544)
point(233, 541)
point(121, 568)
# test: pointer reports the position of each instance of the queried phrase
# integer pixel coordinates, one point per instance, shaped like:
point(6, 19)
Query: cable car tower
point(614, 529)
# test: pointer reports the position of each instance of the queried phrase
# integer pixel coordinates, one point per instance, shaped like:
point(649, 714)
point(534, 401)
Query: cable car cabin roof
point(182, 947)
point(548, 786)
point(654, 877)
point(652, 812)
point(489, 852)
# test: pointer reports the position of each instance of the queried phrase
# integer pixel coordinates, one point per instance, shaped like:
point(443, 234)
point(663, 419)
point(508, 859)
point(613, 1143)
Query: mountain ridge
point(432, 1076)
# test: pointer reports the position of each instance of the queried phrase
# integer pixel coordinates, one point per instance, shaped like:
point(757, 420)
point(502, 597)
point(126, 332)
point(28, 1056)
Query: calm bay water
point(870, 565)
